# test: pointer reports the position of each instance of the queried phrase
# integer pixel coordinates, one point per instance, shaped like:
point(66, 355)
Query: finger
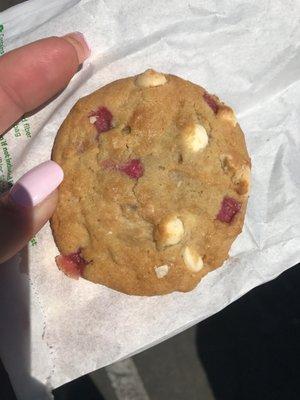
point(32, 74)
point(27, 207)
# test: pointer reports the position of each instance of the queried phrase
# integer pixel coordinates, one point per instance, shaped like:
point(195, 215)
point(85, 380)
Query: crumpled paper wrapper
point(54, 329)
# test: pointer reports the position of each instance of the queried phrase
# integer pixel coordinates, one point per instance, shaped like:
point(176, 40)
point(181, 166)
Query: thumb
point(27, 207)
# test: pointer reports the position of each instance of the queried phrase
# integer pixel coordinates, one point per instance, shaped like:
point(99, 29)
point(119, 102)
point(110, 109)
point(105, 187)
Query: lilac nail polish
point(38, 183)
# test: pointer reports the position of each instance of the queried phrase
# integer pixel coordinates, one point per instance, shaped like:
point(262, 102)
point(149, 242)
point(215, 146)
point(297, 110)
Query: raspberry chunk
point(72, 264)
point(229, 207)
point(133, 168)
point(211, 102)
point(103, 120)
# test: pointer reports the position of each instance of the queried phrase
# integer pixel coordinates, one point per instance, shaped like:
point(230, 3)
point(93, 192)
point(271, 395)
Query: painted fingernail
point(38, 183)
point(80, 44)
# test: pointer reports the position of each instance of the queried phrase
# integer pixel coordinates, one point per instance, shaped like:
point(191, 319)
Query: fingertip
point(80, 45)
point(19, 224)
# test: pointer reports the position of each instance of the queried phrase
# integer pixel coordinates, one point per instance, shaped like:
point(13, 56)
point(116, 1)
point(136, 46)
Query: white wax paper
point(54, 329)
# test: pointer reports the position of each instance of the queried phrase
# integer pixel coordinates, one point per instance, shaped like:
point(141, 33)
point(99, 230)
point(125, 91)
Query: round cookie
point(156, 185)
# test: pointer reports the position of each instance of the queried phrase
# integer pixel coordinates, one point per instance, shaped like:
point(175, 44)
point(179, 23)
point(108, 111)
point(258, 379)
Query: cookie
point(156, 185)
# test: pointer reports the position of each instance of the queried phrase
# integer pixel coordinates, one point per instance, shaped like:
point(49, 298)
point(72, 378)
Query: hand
point(48, 65)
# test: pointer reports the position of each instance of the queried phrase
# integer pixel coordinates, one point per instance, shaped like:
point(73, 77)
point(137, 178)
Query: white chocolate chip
point(195, 137)
point(93, 119)
point(192, 259)
point(227, 114)
point(151, 78)
point(169, 231)
point(175, 231)
point(161, 271)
